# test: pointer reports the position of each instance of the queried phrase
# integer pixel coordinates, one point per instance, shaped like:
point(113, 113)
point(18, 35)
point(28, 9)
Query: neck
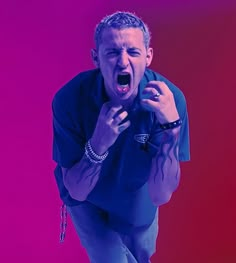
point(127, 104)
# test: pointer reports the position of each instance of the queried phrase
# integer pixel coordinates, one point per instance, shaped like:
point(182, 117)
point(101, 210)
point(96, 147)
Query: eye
point(112, 53)
point(134, 53)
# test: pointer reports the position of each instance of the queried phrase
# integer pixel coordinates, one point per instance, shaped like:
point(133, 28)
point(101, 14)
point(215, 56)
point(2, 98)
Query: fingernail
point(121, 128)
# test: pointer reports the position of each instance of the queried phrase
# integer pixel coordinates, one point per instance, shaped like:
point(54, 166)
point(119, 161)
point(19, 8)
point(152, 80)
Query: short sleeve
point(181, 105)
point(68, 142)
point(184, 145)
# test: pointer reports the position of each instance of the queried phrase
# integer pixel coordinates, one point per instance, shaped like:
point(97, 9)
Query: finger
point(118, 119)
point(123, 126)
point(112, 111)
point(150, 104)
point(160, 86)
point(105, 108)
point(151, 93)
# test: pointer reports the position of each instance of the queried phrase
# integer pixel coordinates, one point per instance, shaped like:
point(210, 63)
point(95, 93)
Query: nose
point(123, 60)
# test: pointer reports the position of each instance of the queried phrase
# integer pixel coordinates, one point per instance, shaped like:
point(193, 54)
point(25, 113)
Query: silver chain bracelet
point(92, 156)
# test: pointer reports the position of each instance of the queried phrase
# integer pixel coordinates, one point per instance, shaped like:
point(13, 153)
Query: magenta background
point(44, 44)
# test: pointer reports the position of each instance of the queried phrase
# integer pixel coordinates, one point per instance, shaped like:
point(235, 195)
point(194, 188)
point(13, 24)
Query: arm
point(165, 171)
point(81, 179)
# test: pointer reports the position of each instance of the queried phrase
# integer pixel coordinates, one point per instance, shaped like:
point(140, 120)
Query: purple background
point(43, 44)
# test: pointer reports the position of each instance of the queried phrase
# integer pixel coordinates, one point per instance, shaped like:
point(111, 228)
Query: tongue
point(123, 89)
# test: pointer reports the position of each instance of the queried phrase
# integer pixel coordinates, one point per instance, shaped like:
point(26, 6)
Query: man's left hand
point(159, 99)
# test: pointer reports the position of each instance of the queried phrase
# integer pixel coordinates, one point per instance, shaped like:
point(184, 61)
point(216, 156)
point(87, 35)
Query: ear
point(94, 55)
point(149, 56)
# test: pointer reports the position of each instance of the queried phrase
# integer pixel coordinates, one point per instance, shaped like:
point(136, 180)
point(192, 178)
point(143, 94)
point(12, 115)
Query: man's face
point(122, 58)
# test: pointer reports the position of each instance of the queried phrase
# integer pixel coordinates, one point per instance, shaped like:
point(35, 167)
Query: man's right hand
point(108, 128)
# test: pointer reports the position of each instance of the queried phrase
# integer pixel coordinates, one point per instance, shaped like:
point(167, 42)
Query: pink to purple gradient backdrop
point(43, 44)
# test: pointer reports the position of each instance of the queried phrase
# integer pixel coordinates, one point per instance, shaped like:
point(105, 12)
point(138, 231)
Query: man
point(120, 131)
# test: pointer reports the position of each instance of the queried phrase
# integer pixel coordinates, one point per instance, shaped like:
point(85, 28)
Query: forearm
point(81, 178)
point(165, 171)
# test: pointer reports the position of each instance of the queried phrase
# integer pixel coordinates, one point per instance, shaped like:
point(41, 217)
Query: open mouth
point(123, 81)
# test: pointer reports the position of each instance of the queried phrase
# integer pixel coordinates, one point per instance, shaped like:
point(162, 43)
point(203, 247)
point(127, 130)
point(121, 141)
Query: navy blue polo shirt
point(122, 188)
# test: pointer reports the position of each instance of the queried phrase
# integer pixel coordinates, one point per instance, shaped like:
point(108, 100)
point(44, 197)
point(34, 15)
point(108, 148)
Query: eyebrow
point(130, 49)
point(134, 49)
point(112, 49)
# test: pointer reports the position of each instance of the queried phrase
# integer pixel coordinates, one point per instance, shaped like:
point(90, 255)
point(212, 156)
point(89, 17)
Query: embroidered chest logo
point(141, 138)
